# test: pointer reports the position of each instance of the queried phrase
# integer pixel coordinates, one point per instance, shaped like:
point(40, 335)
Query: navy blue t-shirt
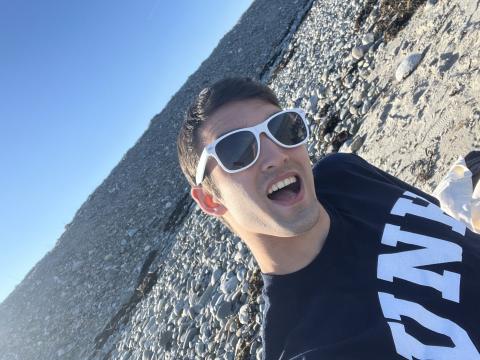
point(396, 278)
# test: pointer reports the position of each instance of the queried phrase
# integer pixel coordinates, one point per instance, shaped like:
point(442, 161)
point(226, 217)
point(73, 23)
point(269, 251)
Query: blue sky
point(79, 84)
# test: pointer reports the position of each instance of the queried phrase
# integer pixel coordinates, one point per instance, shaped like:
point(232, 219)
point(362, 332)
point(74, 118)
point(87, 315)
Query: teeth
point(281, 184)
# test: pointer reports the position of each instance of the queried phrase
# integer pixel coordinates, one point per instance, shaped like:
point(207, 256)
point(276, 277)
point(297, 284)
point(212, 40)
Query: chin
point(301, 226)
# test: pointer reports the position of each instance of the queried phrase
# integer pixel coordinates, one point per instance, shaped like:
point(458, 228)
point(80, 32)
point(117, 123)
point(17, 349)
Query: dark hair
point(210, 99)
point(205, 104)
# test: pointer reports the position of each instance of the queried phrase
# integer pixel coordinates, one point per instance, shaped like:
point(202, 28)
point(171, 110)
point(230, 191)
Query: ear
point(207, 202)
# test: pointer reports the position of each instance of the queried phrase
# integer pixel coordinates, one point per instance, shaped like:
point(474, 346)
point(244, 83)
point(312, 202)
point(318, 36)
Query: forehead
point(236, 115)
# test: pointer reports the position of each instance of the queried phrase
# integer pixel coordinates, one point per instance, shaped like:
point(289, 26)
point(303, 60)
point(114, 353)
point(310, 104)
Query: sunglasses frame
point(209, 150)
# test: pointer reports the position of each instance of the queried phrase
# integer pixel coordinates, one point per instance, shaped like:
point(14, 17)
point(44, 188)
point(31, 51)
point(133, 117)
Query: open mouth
point(288, 193)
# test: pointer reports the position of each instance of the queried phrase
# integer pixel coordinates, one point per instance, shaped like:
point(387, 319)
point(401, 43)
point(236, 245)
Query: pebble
point(190, 334)
point(357, 143)
point(243, 314)
point(408, 65)
point(358, 52)
point(224, 310)
point(229, 286)
point(165, 338)
point(321, 91)
point(365, 107)
point(200, 348)
point(368, 39)
point(216, 275)
point(131, 232)
point(147, 355)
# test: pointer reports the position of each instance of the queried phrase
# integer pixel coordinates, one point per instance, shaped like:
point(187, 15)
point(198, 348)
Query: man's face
point(244, 194)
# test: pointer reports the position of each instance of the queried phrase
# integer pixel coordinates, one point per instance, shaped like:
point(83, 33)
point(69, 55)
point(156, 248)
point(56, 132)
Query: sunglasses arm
point(201, 167)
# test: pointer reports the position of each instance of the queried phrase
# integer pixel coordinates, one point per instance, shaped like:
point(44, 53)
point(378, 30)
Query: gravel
point(142, 273)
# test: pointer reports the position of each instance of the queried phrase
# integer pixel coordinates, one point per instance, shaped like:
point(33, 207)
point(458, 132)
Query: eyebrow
point(231, 130)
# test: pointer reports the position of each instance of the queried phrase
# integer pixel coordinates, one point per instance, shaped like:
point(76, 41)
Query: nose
point(271, 155)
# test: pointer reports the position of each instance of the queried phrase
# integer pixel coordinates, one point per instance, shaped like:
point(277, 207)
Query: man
point(356, 263)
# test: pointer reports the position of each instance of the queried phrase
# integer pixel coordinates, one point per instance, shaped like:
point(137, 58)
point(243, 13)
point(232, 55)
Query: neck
point(279, 255)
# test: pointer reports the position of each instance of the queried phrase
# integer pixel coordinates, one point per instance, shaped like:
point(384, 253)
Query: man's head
point(210, 99)
point(241, 199)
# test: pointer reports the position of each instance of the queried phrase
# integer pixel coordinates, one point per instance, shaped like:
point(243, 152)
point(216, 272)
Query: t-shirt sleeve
point(278, 319)
point(347, 162)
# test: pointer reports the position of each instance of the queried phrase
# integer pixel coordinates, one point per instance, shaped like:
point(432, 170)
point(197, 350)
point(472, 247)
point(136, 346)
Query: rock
point(217, 274)
point(349, 81)
point(131, 232)
point(407, 66)
point(178, 308)
point(358, 52)
point(165, 338)
point(147, 355)
point(312, 103)
point(189, 336)
point(227, 287)
point(200, 348)
point(238, 257)
point(252, 264)
point(126, 355)
point(357, 143)
point(204, 330)
point(345, 148)
point(77, 265)
point(343, 113)
point(365, 107)
point(259, 354)
point(224, 311)
point(194, 311)
point(322, 93)
point(241, 273)
point(243, 314)
point(207, 294)
point(298, 102)
point(368, 39)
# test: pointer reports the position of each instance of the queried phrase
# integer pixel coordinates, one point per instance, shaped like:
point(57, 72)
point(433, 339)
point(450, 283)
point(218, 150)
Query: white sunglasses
point(239, 149)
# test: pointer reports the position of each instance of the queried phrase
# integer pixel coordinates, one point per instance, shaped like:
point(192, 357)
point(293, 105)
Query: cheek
point(301, 152)
point(239, 195)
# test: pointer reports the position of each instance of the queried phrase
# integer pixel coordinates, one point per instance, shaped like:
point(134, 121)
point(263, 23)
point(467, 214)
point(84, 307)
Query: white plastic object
point(457, 196)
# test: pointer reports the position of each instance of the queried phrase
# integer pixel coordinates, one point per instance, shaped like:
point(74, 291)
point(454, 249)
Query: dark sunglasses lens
point(237, 150)
point(288, 128)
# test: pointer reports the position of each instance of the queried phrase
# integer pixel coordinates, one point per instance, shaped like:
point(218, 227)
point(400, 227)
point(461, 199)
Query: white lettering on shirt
point(431, 211)
point(407, 346)
point(404, 265)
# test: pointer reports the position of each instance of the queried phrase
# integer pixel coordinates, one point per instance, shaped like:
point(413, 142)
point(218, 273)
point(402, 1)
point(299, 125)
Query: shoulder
point(338, 162)
point(339, 158)
point(350, 171)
